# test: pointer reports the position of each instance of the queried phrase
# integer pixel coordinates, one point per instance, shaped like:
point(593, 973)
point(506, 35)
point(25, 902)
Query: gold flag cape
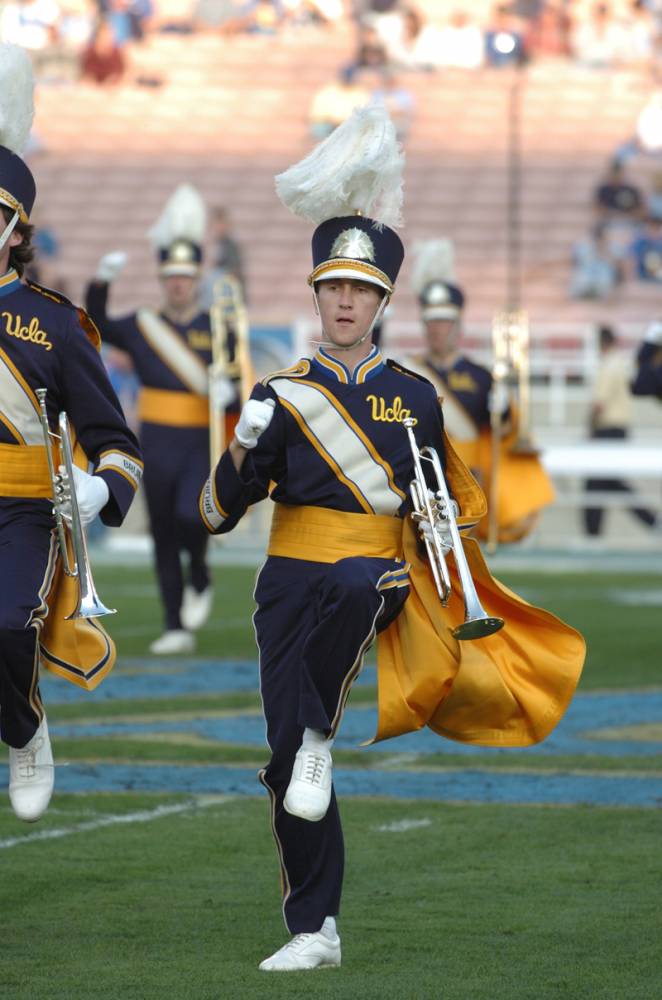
point(80, 650)
point(508, 689)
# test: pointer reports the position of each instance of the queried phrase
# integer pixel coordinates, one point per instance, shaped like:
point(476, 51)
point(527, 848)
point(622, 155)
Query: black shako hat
point(17, 186)
point(441, 300)
point(357, 247)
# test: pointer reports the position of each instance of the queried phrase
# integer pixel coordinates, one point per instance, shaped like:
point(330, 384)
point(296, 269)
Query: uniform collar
point(364, 371)
point(9, 282)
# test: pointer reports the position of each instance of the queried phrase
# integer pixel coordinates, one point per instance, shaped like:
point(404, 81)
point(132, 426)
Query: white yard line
point(144, 816)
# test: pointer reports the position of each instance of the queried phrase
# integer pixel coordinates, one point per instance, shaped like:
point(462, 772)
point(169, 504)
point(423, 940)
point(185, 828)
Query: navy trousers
point(313, 624)
point(176, 466)
point(27, 562)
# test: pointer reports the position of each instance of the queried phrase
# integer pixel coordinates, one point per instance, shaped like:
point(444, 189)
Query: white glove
point(221, 392)
point(110, 265)
point(92, 494)
point(441, 528)
point(254, 419)
point(498, 399)
point(654, 333)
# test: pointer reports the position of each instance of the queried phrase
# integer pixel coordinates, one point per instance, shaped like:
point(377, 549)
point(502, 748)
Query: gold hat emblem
point(355, 244)
point(181, 253)
point(437, 294)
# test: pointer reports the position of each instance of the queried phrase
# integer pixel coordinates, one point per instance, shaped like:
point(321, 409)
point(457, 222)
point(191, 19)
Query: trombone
point(88, 604)
point(477, 623)
point(228, 319)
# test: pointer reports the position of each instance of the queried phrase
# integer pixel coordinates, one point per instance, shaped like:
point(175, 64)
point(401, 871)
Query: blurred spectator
point(460, 43)
point(654, 198)
point(616, 198)
point(647, 139)
point(504, 43)
point(648, 379)
point(610, 418)
point(412, 44)
point(549, 32)
point(639, 32)
point(334, 102)
point(227, 257)
point(102, 60)
point(598, 40)
point(370, 50)
point(312, 11)
point(396, 99)
point(646, 252)
point(595, 272)
point(33, 25)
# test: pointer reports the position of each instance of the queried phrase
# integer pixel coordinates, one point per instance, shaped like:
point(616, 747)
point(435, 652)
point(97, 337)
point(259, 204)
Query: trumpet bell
point(478, 628)
point(90, 607)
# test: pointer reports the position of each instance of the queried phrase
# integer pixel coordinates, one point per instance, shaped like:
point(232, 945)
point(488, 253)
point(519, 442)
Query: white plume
point(358, 168)
point(16, 97)
point(434, 260)
point(184, 216)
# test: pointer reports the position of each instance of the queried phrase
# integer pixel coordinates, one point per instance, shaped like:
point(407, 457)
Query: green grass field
point(160, 895)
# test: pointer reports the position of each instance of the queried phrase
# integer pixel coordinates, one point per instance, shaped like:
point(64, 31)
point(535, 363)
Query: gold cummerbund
point(174, 409)
point(24, 471)
point(318, 534)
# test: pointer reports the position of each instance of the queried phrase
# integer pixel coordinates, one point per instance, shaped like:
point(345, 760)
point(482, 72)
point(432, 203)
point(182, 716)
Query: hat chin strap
point(9, 230)
point(350, 347)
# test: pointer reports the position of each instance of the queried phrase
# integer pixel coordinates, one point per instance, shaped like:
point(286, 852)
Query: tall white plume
point(434, 260)
point(184, 216)
point(358, 168)
point(16, 97)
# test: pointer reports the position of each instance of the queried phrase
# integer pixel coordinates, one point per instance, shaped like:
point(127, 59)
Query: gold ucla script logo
point(31, 332)
point(393, 414)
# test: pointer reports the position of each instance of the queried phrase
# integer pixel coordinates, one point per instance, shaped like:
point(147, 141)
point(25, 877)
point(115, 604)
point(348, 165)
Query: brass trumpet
point(477, 623)
point(88, 604)
point(228, 319)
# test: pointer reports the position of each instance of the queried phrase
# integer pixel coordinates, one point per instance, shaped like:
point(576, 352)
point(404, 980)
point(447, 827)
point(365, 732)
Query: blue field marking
point(582, 732)
point(453, 785)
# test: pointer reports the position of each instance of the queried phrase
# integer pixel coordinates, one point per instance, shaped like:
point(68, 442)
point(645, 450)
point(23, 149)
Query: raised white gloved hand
point(654, 333)
point(221, 392)
point(254, 419)
point(498, 399)
point(92, 493)
point(110, 265)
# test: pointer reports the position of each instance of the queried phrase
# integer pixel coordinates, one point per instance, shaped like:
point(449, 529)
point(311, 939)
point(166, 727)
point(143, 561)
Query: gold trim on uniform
point(118, 461)
point(24, 471)
point(11, 202)
point(324, 535)
point(173, 408)
point(359, 266)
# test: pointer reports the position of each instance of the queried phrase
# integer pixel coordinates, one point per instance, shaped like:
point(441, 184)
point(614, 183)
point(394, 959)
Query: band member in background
point(45, 343)
point(343, 561)
point(474, 403)
point(171, 352)
point(648, 380)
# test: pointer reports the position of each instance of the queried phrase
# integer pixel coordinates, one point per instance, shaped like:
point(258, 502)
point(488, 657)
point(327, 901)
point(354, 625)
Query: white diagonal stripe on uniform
point(342, 443)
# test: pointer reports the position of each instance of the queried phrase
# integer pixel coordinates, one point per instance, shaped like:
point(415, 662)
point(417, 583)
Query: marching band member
point(171, 351)
point(343, 564)
point(648, 380)
point(45, 343)
point(473, 402)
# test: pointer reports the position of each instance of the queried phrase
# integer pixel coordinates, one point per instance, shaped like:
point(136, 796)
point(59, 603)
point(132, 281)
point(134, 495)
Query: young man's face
point(180, 290)
point(347, 308)
point(443, 335)
point(14, 240)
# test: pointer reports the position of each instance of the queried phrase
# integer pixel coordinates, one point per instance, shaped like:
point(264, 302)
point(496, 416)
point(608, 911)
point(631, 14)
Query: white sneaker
point(196, 607)
point(31, 776)
point(309, 791)
point(320, 950)
point(174, 641)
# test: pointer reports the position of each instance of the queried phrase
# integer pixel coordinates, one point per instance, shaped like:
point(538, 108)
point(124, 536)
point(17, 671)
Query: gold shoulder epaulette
point(86, 322)
point(298, 370)
point(397, 367)
point(50, 293)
